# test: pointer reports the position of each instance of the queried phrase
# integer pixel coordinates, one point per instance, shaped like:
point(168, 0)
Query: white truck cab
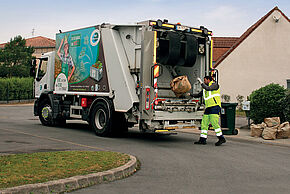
point(43, 80)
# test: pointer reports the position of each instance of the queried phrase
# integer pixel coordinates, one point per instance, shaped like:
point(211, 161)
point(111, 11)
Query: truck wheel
point(101, 119)
point(45, 113)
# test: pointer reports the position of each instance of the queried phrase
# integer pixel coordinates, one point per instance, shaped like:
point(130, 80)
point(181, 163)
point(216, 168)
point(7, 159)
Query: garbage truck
point(118, 76)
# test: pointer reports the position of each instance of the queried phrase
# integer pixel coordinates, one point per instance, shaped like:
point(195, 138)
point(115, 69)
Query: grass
point(41, 167)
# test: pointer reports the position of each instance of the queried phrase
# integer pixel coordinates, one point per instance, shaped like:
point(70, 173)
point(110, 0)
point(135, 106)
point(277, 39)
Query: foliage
point(240, 99)
point(226, 98)
point(23, 169)
point(266, 102)
point(15, 58)
point(285, 104)
point(16, 88)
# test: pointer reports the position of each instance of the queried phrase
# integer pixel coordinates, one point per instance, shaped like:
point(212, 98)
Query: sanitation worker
point(212, 99)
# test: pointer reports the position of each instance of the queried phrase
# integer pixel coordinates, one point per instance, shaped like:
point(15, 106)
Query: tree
point(15, 58)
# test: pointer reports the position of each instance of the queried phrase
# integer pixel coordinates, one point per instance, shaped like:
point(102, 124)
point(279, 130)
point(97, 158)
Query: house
point(259, 57)
point(221, 45)
point(41, 45)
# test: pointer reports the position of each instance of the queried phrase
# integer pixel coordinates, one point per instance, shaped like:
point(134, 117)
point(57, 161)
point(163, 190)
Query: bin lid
point(227, 104)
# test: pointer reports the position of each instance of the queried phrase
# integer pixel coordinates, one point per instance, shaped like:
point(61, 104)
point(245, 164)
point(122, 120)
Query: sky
point(30, 18)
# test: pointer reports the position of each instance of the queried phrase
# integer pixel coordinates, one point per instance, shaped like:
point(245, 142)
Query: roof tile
point(37, 42)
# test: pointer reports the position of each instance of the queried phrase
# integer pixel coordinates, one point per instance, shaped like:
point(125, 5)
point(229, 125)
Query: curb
point(17, 102)
point(77, 182)
point(245, 139)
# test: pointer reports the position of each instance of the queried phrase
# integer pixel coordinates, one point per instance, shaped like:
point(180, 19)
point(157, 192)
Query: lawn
point(41, 167)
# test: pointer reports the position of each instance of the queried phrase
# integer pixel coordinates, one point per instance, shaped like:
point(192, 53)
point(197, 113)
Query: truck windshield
point(42, 68)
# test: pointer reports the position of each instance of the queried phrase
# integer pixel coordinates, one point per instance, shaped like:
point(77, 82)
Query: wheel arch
point(43, 96)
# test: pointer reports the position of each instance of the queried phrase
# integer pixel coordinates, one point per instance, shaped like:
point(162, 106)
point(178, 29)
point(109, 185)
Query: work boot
point(201, 141)
point(220, 141)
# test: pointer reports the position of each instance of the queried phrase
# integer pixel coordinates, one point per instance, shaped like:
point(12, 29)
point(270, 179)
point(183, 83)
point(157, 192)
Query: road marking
point(54, 139)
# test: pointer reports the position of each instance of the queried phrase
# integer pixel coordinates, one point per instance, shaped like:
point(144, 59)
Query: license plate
point(182, 28)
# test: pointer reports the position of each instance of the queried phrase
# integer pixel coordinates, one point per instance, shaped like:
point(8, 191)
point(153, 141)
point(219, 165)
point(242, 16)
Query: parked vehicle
point(116, 76)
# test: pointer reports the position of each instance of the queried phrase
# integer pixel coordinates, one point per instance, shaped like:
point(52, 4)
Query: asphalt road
point(170, 164)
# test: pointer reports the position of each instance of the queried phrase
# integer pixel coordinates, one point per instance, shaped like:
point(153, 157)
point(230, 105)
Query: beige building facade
point(261, 56)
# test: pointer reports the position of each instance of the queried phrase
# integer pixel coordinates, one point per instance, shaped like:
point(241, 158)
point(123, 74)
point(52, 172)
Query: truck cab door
point(40, 84)
point(44, 78)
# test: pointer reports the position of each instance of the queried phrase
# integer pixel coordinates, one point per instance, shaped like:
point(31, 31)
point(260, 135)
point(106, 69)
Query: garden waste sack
point(273, 121)
point(257, 130)
point(180, 85)
point(269, 133)
point(283, 131)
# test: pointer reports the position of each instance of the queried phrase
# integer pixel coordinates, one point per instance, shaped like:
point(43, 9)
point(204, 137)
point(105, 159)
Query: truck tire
point(45, 113)
point(101, 119)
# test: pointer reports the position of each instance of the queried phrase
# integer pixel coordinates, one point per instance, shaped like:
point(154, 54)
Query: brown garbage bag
point(271, 122)
point(257, 130)
point(180, 85)
point(270, 133)
point(283, 131)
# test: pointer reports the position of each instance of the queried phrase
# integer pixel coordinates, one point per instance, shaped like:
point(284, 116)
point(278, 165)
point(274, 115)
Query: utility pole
point(33, 30)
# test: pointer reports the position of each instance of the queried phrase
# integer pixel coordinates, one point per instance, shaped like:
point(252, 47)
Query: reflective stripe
point(210, 96)
point(203, 135)
point(155, 46)
point(203, 131)
point(156, 70)
point(218, 132)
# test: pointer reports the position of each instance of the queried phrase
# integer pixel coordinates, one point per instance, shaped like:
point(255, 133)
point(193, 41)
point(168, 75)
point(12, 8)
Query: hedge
point(268, 101)
point(16, 88)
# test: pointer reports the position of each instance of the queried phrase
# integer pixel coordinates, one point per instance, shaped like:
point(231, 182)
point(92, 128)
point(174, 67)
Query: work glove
point(198, 79)
point(188, 95)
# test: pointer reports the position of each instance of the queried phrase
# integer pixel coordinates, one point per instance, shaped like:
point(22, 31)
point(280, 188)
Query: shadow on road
point(133, 134)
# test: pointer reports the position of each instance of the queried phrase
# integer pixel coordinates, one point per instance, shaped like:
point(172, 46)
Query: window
point(42, 68)
point(288, 83)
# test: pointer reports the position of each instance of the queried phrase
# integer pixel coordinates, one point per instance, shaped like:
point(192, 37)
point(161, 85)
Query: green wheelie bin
point(228, 118)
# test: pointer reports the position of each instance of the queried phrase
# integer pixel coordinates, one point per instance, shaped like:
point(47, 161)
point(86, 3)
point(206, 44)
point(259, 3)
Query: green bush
point(267, 102)
point(286, 105)
point(16, 88)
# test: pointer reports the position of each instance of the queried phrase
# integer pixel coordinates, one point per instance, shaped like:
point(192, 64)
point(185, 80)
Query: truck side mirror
point(33, 68)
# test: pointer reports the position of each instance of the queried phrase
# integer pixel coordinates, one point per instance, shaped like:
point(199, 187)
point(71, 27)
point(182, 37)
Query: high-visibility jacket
point(212, 98)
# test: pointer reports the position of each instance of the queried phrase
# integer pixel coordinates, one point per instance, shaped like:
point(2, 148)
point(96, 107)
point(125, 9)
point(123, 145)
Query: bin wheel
point(235, 132)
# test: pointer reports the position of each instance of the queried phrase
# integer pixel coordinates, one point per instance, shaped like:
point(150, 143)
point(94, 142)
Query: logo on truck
point(95, 37)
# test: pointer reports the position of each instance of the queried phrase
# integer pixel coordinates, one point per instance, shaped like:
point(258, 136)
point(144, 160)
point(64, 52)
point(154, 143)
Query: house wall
point(262, 58)
point(39, 51)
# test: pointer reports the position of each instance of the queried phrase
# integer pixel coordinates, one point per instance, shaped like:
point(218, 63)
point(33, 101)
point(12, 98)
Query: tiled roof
point(224, 42)
point(37, 42)
point(221, 45)
point(247, 33)
point(218, 52)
